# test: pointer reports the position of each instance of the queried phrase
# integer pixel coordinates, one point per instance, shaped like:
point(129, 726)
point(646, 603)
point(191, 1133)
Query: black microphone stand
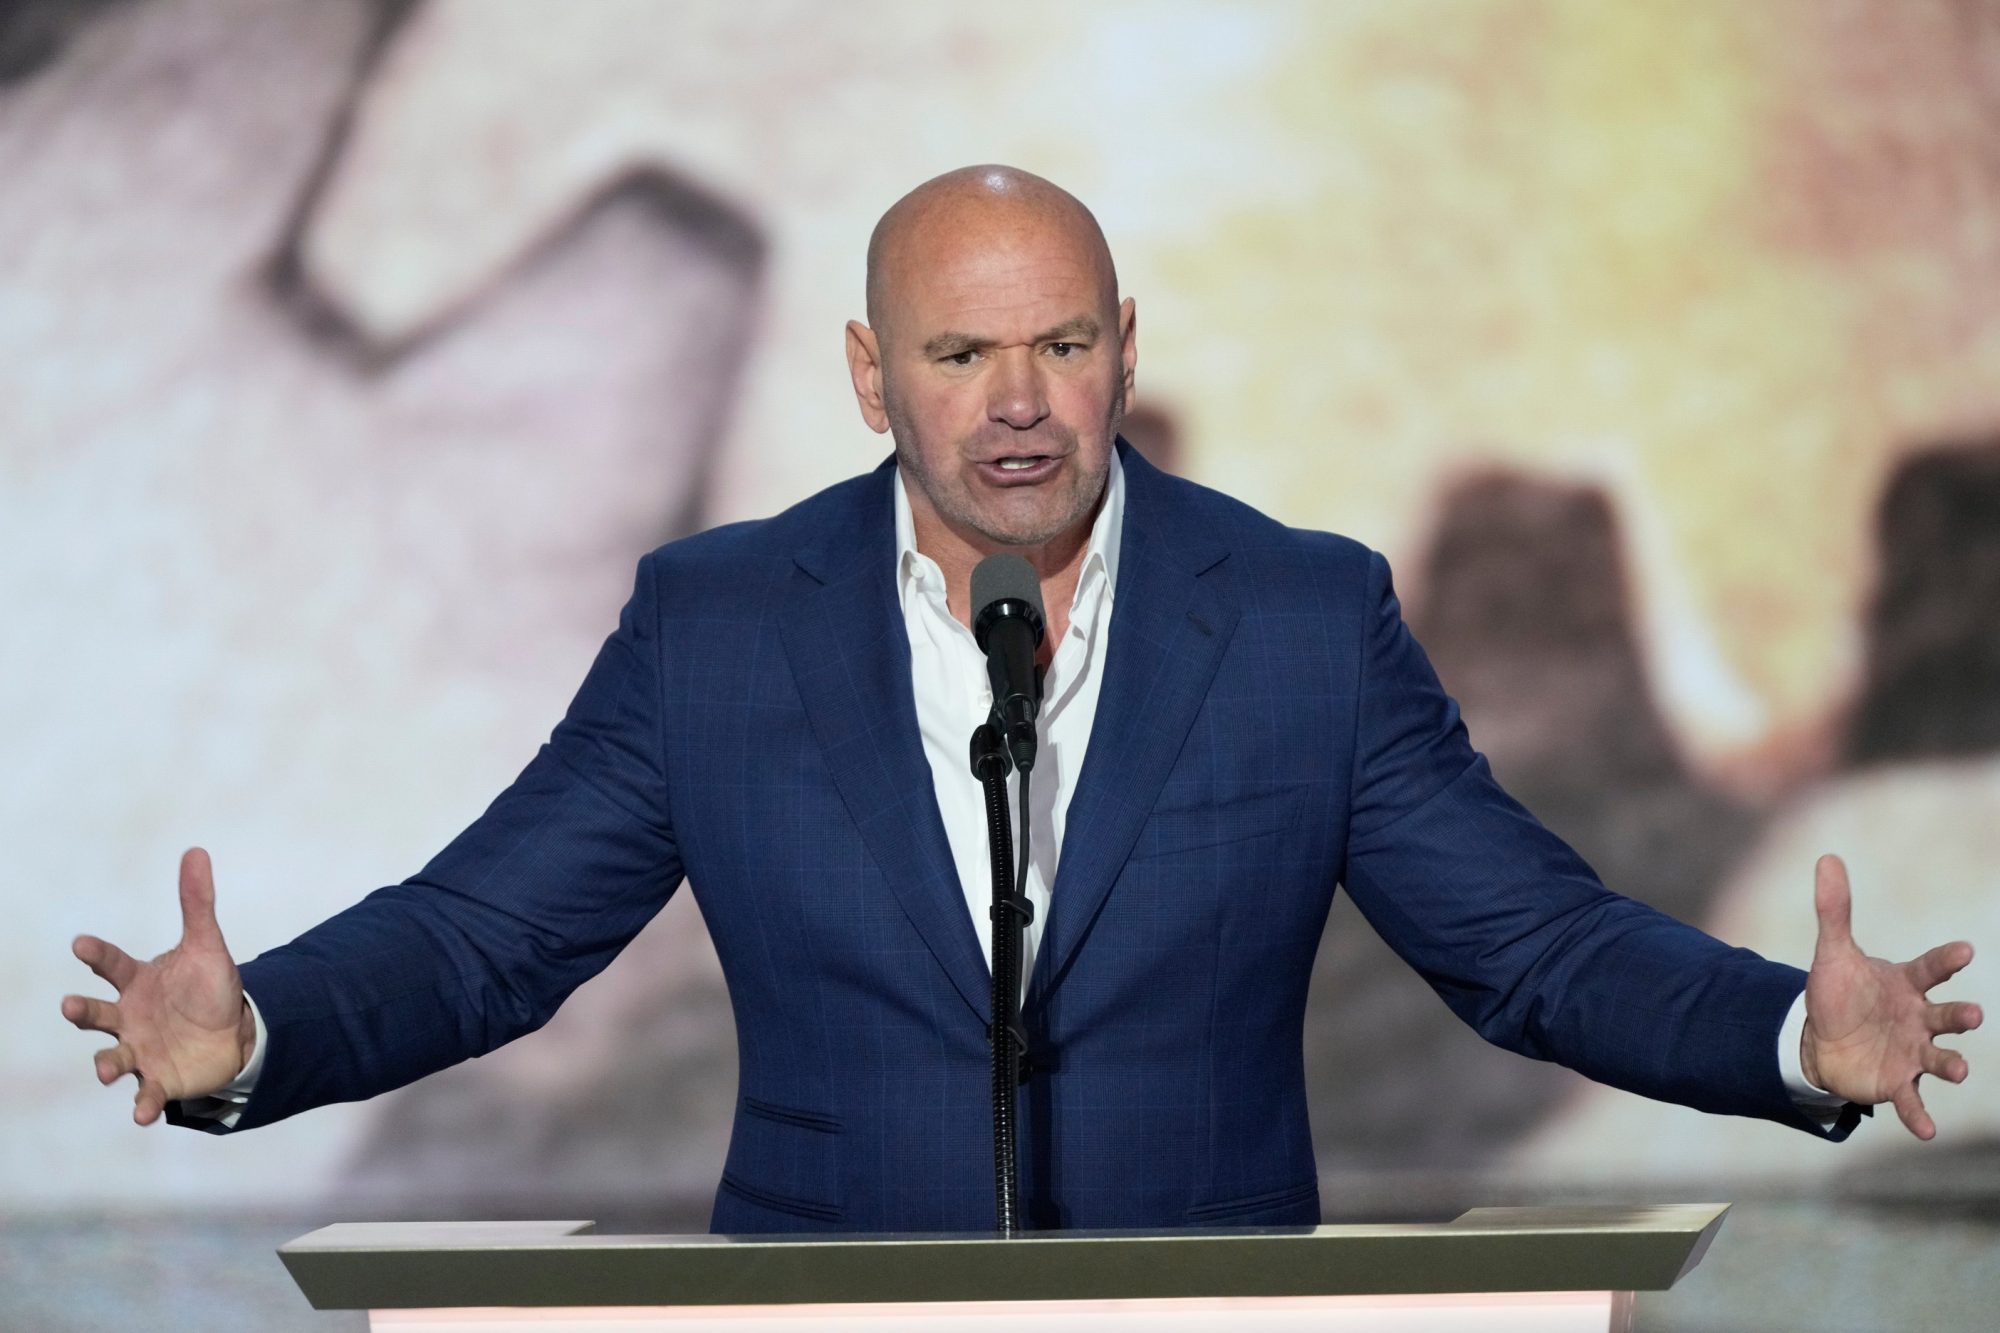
point(1011, 911)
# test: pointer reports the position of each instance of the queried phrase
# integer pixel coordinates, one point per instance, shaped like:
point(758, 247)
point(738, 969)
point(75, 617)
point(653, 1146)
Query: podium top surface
point(390, 1265)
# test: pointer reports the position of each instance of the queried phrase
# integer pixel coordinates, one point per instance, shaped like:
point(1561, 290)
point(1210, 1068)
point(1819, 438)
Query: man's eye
point(1063, 351)
point(961, 358)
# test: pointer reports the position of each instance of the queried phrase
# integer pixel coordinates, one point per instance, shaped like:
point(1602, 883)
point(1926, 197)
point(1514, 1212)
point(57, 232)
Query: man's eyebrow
point(1080, 328)
point(951, 343)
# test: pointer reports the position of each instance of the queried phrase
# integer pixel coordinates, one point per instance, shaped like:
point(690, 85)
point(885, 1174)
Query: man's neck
point(1058, 563)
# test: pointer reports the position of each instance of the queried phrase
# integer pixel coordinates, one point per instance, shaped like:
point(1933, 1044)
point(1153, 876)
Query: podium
point(1498, 1270)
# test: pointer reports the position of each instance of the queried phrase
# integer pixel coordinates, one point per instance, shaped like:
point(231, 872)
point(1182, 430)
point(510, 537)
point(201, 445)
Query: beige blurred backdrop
point(354, 351)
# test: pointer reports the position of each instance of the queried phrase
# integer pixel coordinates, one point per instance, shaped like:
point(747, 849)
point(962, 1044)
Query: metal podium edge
point(403, 1265)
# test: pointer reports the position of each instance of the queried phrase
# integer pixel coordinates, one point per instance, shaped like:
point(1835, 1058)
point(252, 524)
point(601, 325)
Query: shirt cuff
point(1814, 1102)
point(225, 1105)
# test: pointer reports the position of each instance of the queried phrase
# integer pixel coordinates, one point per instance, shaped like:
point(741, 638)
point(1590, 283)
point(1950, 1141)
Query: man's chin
point(1030, 531)
point(1022, 539)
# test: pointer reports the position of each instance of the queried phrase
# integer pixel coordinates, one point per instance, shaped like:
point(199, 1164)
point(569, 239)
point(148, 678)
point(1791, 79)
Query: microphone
point(1007, 624)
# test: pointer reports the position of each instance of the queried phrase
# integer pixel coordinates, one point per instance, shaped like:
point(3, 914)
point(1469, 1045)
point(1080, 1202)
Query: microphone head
point(1005, 585)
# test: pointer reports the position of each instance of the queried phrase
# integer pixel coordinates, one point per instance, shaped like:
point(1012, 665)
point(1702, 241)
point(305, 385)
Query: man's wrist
point(1798, 1067)
point(1809, 1056)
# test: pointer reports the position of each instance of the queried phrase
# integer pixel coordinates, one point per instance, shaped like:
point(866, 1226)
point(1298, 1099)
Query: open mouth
point(1022, 471)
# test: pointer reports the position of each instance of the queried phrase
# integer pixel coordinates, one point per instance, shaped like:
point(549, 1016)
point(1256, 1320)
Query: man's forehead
point(986, 235)
point(988, 296)
point(992, 287)
point(981, 242)
point(977, 258)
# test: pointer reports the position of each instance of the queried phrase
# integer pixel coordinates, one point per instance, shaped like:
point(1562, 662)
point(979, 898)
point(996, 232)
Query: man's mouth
point(1022, 470)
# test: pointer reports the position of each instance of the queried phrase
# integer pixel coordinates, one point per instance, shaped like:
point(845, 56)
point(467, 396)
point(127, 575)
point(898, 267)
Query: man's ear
point(864, 367)
point(1128, 345)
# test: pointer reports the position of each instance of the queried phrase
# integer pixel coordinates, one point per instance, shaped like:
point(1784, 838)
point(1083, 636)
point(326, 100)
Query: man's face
point(1004, 364)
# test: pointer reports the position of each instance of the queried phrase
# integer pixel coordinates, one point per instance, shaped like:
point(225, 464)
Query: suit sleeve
point(1516, 933)
point(482, 945)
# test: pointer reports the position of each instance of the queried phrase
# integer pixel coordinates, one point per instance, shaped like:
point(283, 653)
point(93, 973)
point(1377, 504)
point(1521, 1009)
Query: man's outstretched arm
point(1518, 936)
point(534, 898)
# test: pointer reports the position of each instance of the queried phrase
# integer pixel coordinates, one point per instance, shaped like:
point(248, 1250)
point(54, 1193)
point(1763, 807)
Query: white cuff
point(225, 1104)
point(238, 1089)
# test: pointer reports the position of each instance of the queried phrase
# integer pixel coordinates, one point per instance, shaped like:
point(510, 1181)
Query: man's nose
point(1017, 392)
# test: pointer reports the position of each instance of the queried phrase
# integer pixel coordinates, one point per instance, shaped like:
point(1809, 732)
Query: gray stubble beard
point(910, 458)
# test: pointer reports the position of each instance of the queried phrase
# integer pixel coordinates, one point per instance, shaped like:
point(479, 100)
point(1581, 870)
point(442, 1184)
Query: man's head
point(995, 332)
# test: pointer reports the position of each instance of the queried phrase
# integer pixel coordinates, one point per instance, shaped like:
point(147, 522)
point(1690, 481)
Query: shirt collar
point(1100, 556)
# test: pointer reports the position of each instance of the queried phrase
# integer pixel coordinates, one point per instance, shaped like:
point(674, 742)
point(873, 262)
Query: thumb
point(199, 929)
point(1834, 904)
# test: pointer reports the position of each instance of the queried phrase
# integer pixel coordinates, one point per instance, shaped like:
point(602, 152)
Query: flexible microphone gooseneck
point(1007, 624)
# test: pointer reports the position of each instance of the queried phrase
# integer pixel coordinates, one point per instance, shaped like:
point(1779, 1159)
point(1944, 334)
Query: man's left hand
point(1869, 1022)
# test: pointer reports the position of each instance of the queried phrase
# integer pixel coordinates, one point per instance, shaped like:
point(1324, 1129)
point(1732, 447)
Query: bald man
point(1235, 722)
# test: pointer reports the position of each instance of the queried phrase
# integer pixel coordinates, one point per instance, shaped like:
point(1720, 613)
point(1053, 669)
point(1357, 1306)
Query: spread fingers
point(106, 959)
point(1947, 1065)
point(115, 1063)
point(91, 1015)
point(1936, 966)
point(151, 1101)
point(1959, 1016)
point(1910, 1108)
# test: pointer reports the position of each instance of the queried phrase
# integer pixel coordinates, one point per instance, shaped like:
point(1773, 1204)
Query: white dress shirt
point(948, 676)
point(948, 673)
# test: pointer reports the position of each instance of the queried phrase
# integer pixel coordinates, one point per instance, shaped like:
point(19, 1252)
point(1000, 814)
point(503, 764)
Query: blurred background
point(352, 351)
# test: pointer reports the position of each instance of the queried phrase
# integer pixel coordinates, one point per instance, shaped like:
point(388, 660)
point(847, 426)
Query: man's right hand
point(181, 1021)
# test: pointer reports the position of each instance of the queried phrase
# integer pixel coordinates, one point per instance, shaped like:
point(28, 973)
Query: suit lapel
point(850, 655)
point(1169, 631)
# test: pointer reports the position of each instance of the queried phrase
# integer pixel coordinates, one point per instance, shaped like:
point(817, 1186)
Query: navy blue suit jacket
point(1267, 731)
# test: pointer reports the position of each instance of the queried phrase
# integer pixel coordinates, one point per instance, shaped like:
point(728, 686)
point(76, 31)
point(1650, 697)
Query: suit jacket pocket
point(785, 1158)
point(1171, 830)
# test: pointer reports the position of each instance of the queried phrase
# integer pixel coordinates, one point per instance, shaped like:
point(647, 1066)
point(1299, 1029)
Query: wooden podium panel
point(1492, 1269)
